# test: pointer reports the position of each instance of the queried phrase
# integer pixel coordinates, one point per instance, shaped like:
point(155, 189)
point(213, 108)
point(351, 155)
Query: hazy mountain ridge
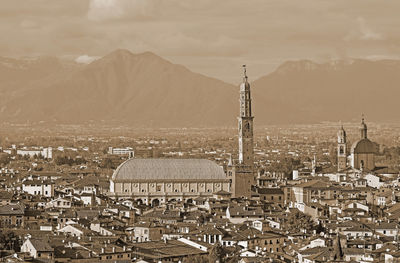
point(306, 92)
point(141, 89)
point(147, 90)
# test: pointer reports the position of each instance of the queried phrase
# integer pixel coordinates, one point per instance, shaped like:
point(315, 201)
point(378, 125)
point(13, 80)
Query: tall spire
point(244, 74)
point(245, 123)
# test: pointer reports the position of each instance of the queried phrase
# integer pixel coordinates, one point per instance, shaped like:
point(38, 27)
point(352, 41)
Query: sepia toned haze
point(210, 37)
point(309, 61)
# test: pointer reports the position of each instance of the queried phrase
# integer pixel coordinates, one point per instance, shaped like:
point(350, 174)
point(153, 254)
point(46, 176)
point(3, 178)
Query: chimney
point(102, 250)
point(124, 248)
point(113, 249)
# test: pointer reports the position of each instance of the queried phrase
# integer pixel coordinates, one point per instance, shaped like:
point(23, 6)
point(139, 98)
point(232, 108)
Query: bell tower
point(245, 119)
point(242, 173)
point(363, 129)
point(342, 149)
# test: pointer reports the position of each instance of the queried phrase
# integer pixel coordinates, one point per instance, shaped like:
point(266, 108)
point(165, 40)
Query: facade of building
point(242, 172)
point(155, 181)
point(46, 152)
point(121, 151)
point(38, 187)
point(11, 216)
point(38, 249)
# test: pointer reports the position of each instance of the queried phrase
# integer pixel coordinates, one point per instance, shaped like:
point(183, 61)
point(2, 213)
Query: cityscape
point(125, 156)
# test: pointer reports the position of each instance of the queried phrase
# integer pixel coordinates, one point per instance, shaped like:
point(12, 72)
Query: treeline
point(61, 160)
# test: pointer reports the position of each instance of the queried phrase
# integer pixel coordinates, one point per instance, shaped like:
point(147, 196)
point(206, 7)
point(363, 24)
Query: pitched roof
point(41, 245)
point(12, 210)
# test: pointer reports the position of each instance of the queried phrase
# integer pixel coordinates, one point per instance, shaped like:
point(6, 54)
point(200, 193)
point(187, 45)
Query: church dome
point(168, 169)
point(363, 146)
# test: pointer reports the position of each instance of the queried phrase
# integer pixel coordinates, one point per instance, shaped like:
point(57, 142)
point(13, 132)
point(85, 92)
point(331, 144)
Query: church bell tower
point(245, 119)
point(342, 150)
point(242, 173)
point(363, 129)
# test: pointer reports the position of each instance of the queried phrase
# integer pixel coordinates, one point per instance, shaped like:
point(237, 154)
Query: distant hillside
point(146, 90)
point(137, 89)
point(307, 92)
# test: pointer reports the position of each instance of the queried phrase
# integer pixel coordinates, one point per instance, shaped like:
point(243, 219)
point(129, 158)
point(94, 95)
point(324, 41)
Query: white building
point(37, 187)
point(121, 151)
point(38, 151)
point(374, 181)
point(60, 203)
point(38, 249)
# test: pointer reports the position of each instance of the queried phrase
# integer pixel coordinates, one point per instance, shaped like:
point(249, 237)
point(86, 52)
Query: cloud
point(85, 59)
point(104, 10)
point(366, 32)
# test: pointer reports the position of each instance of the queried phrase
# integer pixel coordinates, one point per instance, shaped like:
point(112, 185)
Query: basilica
point(155, 181)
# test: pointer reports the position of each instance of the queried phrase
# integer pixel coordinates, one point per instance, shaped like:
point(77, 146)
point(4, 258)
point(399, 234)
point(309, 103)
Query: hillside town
point(282, 195)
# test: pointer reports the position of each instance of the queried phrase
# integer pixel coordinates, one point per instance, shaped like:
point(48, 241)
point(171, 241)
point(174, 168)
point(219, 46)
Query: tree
point(10, 241)
point(4, 158)
point(107, 163)
point(216, 254)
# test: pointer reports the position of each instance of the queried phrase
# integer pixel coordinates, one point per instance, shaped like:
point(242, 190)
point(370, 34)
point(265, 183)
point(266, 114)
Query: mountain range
point(145, 90)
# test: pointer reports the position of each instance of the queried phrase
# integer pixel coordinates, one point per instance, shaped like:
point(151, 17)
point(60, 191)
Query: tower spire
point(245, 123)
point(244, 74)
point(243, 170)
point(363, 128)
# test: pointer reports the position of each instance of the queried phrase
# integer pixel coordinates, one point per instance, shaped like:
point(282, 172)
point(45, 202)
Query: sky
point(211, 37)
